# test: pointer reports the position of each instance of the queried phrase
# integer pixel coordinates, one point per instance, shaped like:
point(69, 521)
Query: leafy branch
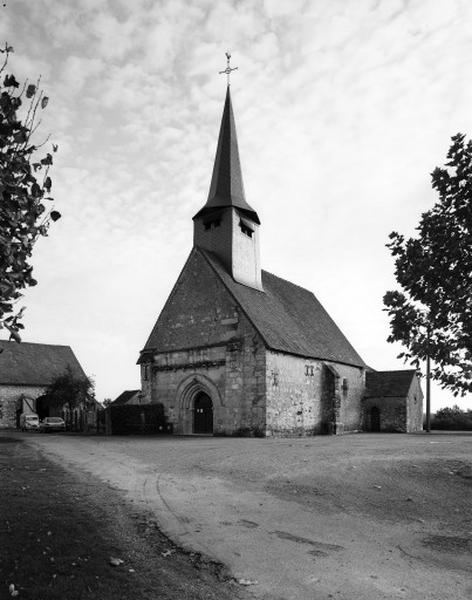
point(25, 186)
point(431, 316)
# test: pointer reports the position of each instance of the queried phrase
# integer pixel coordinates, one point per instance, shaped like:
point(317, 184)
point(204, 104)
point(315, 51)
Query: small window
point(309, 370)
point(146, 372)
point(213, 224)
point(246, 228)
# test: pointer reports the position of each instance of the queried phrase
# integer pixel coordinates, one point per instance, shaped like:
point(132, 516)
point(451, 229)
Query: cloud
point(276, 9)
point(342, 109)
point(76, 71)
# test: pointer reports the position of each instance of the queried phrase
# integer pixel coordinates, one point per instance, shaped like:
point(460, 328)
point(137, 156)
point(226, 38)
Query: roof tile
point(26, 363)
point(382, 384)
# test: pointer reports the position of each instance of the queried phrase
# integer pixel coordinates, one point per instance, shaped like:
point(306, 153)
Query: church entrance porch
point(203, 414)
point(199, 406)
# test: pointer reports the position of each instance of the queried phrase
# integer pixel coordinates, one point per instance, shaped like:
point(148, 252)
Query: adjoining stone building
point(239, 350)
point(26, 369)
point(393, 401)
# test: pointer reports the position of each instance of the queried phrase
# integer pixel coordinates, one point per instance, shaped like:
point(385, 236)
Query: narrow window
point(212, 224)
point(246, 228)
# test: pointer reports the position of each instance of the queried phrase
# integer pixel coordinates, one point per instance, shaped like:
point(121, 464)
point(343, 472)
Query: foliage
point(432, 315)
point(25, 187)
point(69, 390)
point(453, 419)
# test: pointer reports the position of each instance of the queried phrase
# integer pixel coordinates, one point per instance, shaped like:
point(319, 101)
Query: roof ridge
point(22, 343)
point(288, 281)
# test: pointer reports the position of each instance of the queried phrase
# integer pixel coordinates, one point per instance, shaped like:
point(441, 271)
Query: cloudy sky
point(343, 109)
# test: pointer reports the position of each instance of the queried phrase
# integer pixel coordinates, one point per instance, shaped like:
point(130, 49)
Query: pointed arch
point(187, 391)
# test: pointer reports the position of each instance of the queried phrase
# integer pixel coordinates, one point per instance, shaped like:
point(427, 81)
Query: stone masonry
point(238, 350)
point(222, 354)
point(15, 399)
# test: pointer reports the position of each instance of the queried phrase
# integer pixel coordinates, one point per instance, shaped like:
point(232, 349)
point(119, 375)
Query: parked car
point(52, 424)
point(29, 422)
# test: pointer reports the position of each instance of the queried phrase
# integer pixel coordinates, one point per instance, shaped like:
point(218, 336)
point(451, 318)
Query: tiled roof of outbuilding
point(383, 384)
point(289, 318)
point(124, 397)
point(35, 364)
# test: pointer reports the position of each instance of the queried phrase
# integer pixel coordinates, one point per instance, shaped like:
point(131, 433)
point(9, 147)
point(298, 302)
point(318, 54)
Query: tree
point(453, 419)
point(68, 390)
point(25, 186)
point(432, 314)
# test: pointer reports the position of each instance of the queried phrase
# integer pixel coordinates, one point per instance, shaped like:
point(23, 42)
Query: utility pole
point(428, 394)
point(428, 385)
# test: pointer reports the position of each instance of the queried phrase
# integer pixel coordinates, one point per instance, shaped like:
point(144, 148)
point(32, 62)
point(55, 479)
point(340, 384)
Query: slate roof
point(35, 364)
point(288, 317)
point(124, 397)
point(384, 384)
point(227, 188)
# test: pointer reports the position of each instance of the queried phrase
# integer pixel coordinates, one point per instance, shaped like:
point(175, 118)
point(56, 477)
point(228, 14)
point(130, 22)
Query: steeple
point(227, 225)
point(227, 188)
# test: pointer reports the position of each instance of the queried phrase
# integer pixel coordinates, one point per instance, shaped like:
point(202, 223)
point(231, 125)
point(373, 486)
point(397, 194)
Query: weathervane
point(228, 69)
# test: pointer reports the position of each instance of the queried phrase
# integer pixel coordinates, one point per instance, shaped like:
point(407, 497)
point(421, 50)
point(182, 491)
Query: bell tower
point(226, 225)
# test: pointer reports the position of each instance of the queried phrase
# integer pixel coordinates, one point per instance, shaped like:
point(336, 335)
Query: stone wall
point(12, 399)
point(307, 396)
point(403, 414)
point(392, 414)
point(210, 346)
point(351, 388)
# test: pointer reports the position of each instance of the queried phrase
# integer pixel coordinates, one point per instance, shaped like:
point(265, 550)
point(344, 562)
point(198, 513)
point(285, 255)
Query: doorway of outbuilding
point(202, 414)
point(42, 407)
point(375, 419)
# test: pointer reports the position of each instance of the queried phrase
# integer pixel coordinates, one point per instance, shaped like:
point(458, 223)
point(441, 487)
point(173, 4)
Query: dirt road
point(66, 535)
point(359, 517)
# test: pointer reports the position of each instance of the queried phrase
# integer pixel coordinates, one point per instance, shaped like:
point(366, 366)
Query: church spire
point(227, 226)
point(227, 188)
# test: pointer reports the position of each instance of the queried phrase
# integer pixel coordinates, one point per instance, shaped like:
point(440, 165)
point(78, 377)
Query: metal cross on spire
point(228, 69)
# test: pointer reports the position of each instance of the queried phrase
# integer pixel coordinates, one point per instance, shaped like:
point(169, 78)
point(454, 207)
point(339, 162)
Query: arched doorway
point(202, 413)
point(375, 419)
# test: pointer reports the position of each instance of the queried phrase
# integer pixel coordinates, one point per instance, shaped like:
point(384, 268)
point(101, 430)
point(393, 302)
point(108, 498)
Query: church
point(239, 351)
